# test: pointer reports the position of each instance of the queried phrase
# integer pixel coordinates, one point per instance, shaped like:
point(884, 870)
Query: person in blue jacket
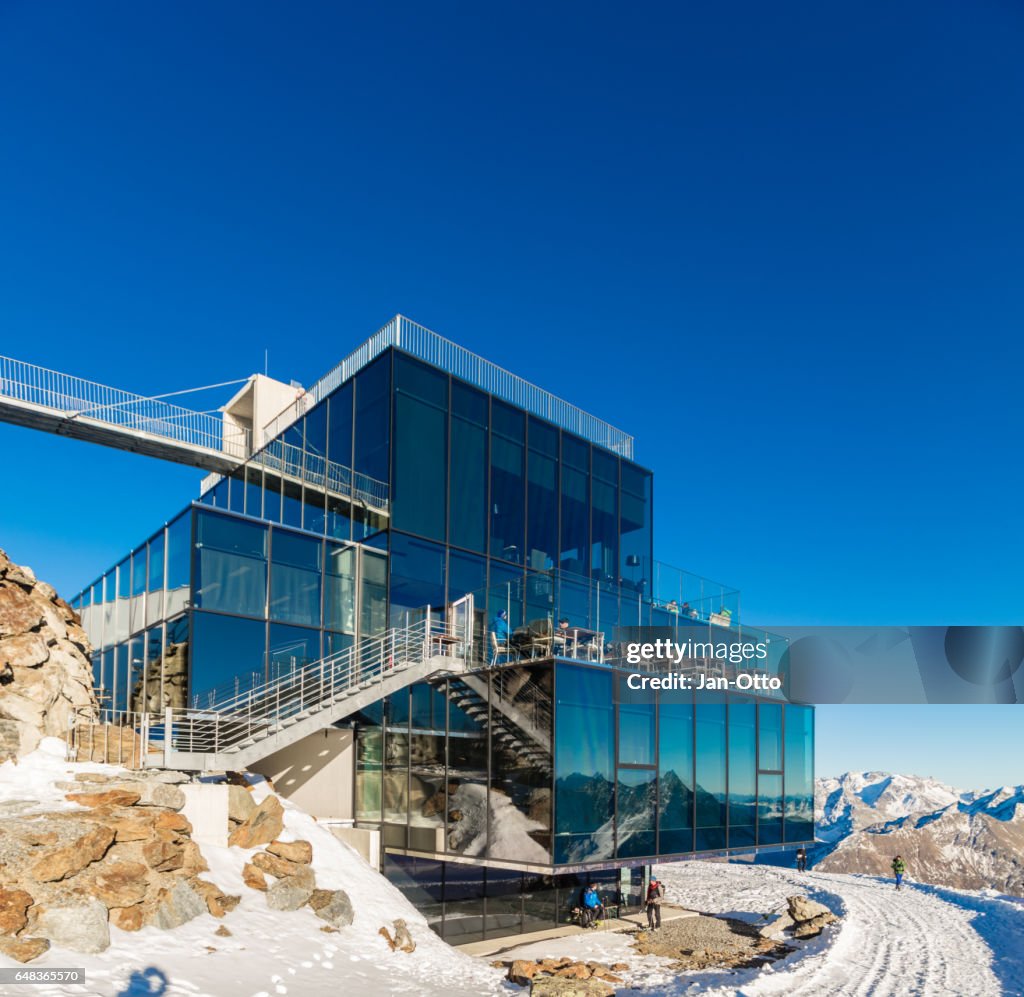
point(593, 909)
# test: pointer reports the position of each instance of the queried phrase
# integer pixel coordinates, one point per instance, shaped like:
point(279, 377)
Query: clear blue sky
point(779, 244)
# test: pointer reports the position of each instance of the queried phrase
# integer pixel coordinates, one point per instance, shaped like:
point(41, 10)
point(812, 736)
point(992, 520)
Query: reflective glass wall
point(688, 773)
point(216, 601)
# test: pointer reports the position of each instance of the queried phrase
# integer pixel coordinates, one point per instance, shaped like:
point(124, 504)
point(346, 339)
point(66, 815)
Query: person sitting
point(672, 606)
point(593, 909)
point(688, 610)
point(500, 635)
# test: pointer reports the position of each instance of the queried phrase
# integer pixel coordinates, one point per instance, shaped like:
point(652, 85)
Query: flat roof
point(414, 339)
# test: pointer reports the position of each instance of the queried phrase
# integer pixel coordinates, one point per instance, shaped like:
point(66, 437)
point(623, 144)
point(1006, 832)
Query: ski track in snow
point(915, 941)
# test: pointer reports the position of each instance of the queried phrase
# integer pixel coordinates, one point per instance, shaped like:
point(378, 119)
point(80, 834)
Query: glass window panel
point(225, 648)
point(291, 507)
point(542, 511)
point(604, 521)
point(155, 583)
point(314, 517)
point(742, 773)
point(136, 606)
point(520, 740)
point(421, 882)
point(637, 792)
point(799, 773)
point(464, 903)
point(575, 543)
point(540, 902)
point(636, 725)
point(369, 773)
point(467, 526)
point(769, 809)
point(584, 765)
point(124, 587)
point(339, 426)
point(236, 491)
point(417, 579)
point(467, 814)
point(340, 590)
point(504, 891)
point(396, 777)
point(339, 518)
point(770, 736)
point(373, 599)
point(231, 564)
point(291, 648)
point(272, 499)
point(175, 665)
point(295, 574)
point(675, 774)
point(419, 476)
point(373, 418)
point(635, 528)
point(710, 786)
point(119, 679)
point(508, 520)
point(179, 549)
point(254, 492)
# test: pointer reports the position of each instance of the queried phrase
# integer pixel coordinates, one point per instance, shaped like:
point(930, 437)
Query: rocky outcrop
point(125, 857)
point(564, 976)
point(262, 825)
point(45, 675)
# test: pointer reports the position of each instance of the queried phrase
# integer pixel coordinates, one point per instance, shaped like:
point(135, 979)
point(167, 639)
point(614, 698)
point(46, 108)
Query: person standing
point(655, 894)
point(801, 859)
point(899, 867)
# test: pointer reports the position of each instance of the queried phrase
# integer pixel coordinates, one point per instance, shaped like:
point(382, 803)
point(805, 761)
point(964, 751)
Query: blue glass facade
point(494, 789)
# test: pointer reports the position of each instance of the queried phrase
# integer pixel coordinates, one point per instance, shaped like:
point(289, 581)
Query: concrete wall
point(365, 841)
point(317, 773)
point(206, 806)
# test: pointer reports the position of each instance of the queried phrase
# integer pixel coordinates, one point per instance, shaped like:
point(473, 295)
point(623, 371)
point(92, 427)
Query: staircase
point(235, 732)
point(519, 718)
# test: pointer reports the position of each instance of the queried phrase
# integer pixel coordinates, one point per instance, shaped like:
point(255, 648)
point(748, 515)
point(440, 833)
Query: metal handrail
point(77, 397)
point(420, 342)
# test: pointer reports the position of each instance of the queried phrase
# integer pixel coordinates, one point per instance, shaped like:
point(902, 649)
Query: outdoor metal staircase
point(519, 719)
point(267, 717)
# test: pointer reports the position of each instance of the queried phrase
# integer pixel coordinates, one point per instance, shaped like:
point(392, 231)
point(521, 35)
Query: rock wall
point(45, 674)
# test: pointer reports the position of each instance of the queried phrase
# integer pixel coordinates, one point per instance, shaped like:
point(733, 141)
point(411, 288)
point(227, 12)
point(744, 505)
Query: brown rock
point(18, 613)
point(163, 856)
point(293, 851)
point(73, 859)
point(121, 884)
point(192, 860)
point(577, 971)
point(130, 828)
point(521, 971)
point(619, 967)
point(253, 878)
point(223, 931)
point(128, 918)
point(25, 651)
point(218, 903)
point(171, 821)
point(274, 866)
point(13, 905)
point(109, 798)
point(91, 777)
point(23, 949)
point(261, 827)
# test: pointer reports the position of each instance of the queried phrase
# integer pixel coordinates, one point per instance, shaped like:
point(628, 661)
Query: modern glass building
point(412, 475)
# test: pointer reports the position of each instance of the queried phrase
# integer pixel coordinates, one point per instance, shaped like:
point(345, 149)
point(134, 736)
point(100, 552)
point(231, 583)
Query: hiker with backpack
point(655, 894)
point(899, 867)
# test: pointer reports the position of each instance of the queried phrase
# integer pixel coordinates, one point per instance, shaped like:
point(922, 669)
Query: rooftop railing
point(428, 346)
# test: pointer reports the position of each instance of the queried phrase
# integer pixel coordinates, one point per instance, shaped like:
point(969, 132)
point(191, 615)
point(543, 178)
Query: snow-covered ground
point(924, 940)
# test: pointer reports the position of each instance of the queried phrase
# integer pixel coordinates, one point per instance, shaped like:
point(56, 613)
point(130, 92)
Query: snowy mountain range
point(965, 840)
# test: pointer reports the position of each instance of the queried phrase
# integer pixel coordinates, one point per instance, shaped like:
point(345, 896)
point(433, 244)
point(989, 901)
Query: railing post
point(167, 737)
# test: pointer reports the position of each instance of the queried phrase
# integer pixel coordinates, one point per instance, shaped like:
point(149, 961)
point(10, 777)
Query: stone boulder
point(14, 905)
point(332, 906)
point(291, 892)
point(261, 827)
point(45, 675)
point(801, 909)
point(81, 927)
point(812, 928)
point(555, 986)
point(292, 851)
